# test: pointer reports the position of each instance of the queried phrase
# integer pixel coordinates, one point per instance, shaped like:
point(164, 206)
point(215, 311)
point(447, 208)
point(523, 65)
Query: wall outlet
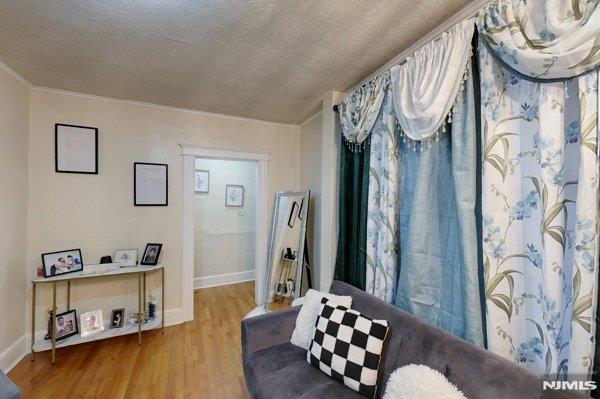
point(241, 212)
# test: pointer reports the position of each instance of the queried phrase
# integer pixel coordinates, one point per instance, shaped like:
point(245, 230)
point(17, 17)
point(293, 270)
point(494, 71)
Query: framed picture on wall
point(201, 181)
point(75, 149)
point(234, 195)
point(151, 182)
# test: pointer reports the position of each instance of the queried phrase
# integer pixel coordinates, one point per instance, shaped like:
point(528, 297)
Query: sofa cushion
point(282, 372)
point(347, 346)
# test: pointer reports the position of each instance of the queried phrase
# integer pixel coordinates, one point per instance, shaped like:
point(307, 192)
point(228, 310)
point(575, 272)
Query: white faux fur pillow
point(307, 317)
point(419, 381)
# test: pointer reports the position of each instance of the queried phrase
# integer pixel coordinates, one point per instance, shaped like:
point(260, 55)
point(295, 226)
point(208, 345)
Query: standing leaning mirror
point(288, 275)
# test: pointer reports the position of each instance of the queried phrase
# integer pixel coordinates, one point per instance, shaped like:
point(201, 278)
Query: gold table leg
point(139, 309)
point(33, 320)
point(162, 301)
point(69, 295)
point(53, 322)
point(144, 293)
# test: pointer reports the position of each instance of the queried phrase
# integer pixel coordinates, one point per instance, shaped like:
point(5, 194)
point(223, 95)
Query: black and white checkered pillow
point(347, 346)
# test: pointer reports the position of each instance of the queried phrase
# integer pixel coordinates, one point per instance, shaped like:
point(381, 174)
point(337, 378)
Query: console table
point(139, 271)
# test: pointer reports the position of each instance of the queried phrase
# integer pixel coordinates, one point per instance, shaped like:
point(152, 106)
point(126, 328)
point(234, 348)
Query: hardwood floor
point(200, 359)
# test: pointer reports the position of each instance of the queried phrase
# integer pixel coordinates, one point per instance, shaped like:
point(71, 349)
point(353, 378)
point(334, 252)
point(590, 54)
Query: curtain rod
point(469, 11)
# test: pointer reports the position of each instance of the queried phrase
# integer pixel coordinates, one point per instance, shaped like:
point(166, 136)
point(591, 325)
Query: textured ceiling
point(270, 60)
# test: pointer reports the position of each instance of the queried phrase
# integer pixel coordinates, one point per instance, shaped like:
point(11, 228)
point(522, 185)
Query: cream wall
point(224, 240)
point(14, 126)
point(96, 212)
point(310, 178)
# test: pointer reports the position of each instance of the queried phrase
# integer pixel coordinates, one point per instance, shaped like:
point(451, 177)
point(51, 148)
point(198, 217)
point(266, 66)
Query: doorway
point(259, 160)
point(224, 221)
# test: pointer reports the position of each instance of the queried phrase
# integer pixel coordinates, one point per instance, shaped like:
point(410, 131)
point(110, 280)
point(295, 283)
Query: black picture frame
point(56, 149)
point(154, 262)
point(112, 318)
point(46, 266)
point(74, 312)
point(135, 188)
point(293, 214)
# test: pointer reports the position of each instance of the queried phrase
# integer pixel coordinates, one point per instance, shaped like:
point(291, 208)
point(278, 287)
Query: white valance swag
point(361, 107)
point(545, 40)
point(425, 86)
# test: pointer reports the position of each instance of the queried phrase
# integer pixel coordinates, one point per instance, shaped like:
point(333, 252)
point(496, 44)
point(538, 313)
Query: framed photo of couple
point(62, 262)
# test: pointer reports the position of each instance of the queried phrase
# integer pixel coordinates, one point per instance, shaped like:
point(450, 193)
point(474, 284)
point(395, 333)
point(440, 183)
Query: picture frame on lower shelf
point(117, 318)
point(91, 323)
point(66, 324)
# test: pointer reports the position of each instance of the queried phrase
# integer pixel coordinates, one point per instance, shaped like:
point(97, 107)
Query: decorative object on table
point(415, 381)
point(290, 286)
point(106, 259)
point(293, 214)
point(101, 268)
point(49, 332)
point(66, 324)
point(201, 181)
point(152, 305)
point(151, 181)
point(126, 257)
point(91, 323)
point(39, 271)
point(62, 262)
point(76, 149)
point(234, 195)
point(117, 318)
point(151, 254)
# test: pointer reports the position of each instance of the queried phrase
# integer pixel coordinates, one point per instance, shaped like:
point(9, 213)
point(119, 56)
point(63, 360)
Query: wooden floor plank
point(200, 359)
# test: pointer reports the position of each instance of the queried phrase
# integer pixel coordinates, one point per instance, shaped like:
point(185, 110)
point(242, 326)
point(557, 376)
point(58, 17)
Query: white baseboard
point(13, 354)
point(223, 279)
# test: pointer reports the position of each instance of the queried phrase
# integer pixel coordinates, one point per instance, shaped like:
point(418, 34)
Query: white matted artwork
point(234, 195)
point(151, 184)
point(126, 257)
point(76, 149)
point(91, 323)
point(201, 181)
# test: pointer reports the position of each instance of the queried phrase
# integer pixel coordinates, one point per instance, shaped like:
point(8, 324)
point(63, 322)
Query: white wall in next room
point(224, 236)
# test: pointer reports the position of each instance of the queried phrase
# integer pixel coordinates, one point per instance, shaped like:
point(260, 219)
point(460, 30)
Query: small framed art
point(234, 195)
point(62, 262)
point(117, 317)
point(201, 181)
point(151, 254)
point(151, 182)
point(91, 323)
point(75, 149)
point(126, 257)
point(66, 324)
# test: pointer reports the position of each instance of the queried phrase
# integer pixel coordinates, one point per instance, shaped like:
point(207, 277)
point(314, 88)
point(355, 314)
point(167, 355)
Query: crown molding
point(15, 75)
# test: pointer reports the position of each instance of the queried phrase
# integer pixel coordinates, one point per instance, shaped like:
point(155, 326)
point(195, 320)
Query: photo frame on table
point(62, 262)
point(126, 257)
point(75, 149)
point(117, 318)
point(293, 214)
point(201, 181)
point(151, 254)
point(150, 184)
point(91, 323)
point(66, 324)
point(234, 195)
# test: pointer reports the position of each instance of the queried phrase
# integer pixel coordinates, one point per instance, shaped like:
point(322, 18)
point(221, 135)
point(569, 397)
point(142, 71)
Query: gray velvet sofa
point(8, 390)
point(276, 369)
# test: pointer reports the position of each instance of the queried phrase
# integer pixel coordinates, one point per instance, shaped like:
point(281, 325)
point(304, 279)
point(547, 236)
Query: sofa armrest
point(8, 390)
point(267, 330)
